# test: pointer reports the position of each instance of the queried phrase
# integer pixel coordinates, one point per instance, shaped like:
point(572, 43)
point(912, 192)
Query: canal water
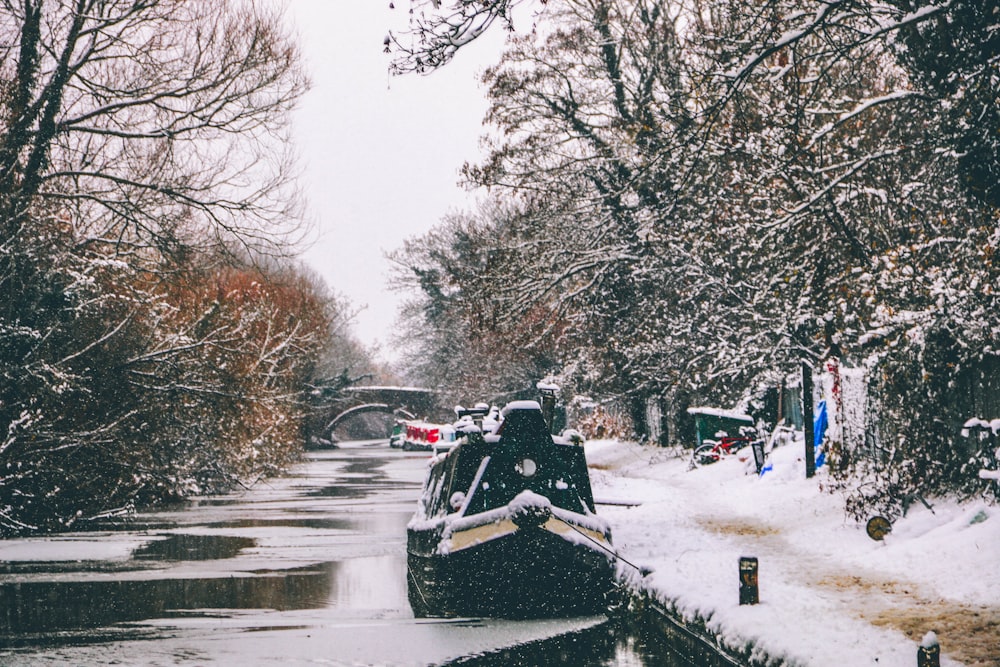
point(307, 569)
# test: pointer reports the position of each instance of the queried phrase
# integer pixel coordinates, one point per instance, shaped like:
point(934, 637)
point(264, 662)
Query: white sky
point(380, 156)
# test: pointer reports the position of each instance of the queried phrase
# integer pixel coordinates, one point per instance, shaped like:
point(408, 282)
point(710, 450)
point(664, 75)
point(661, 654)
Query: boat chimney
point(548, 392)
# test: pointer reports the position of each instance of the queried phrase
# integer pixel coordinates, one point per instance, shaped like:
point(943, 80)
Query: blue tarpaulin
point(819, 431)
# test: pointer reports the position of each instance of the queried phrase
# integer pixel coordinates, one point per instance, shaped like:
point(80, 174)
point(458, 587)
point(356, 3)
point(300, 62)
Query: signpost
point(757, 446)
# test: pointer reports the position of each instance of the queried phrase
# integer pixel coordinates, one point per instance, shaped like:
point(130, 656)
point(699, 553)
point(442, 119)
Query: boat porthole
point(526, 467)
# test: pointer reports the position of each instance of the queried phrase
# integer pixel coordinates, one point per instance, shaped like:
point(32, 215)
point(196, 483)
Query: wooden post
point(781, 405)
point(807, 418)
point(749, 593)
point(929, 653)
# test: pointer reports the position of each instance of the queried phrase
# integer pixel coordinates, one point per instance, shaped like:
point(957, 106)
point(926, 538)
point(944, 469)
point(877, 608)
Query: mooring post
point(929, 653)
point(749, 593)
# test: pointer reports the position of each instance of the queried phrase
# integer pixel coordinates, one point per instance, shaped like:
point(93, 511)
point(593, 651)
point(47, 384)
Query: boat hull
point(527, 572)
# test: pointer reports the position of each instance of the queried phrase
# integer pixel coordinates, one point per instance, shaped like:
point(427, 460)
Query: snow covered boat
point(506, 527)
point(424, 436)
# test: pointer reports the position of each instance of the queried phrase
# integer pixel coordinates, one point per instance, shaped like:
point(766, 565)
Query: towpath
point(830, 596)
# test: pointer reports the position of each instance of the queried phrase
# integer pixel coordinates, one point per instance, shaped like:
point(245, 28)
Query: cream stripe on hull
point(471, 537)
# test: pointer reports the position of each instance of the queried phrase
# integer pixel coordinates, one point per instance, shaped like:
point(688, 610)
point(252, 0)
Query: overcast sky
point(380, 155)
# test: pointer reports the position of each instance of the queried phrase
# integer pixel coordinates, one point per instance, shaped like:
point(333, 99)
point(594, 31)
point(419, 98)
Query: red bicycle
point(711, 451)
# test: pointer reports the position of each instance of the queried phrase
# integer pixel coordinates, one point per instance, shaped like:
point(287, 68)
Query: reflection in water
point(346, 492)
point(594, 646)
point(354, 491)
point(362, 477)
point(63, 606)
point(193, 547)
point(369, 469)
point(605, 645)
point(316, 523)
point(370, 583)
point(46, 606)
point(291, 522)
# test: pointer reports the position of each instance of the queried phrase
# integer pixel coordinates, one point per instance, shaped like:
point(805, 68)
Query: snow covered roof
point(717, 412)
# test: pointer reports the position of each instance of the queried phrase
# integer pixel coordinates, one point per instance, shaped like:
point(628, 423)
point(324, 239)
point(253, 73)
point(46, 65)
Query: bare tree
point(150, 121)
point(134, 136)
point(458, 279)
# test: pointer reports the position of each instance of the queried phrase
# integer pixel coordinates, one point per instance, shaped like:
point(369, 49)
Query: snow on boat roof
point(520, 405)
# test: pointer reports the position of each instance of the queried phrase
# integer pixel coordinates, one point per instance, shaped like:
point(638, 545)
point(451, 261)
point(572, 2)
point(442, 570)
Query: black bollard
point(929, 653)
point(748, 581)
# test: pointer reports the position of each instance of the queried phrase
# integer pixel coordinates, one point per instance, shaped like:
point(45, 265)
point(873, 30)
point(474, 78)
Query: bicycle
point(886, 495)
point(712, 451)
point(880, 524)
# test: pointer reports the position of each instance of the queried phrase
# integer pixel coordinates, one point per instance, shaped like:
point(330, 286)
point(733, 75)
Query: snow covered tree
point(138, 139)
point(954, 59)
point(720, 190)
point(437, 33)
point(928, 309)
point(149, 122)
point(237, 349)
point(591, 113)
point(144, 389)
point(457, 331)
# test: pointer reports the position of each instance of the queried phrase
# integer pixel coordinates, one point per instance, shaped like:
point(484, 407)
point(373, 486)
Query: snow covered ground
point(830, 596)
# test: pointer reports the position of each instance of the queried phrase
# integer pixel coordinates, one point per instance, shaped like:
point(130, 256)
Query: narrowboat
point(425, 436)
point(506, 527)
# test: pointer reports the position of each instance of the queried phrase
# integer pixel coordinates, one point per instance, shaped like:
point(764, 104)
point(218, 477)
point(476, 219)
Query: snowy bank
point(829, 595)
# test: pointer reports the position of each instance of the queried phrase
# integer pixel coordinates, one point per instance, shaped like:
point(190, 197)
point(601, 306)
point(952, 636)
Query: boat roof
point(514, 406)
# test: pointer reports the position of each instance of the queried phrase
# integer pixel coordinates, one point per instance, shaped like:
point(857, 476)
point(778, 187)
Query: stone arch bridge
point(406, 402)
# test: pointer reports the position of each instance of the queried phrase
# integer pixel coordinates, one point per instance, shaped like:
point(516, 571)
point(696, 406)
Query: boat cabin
point(486, 471)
